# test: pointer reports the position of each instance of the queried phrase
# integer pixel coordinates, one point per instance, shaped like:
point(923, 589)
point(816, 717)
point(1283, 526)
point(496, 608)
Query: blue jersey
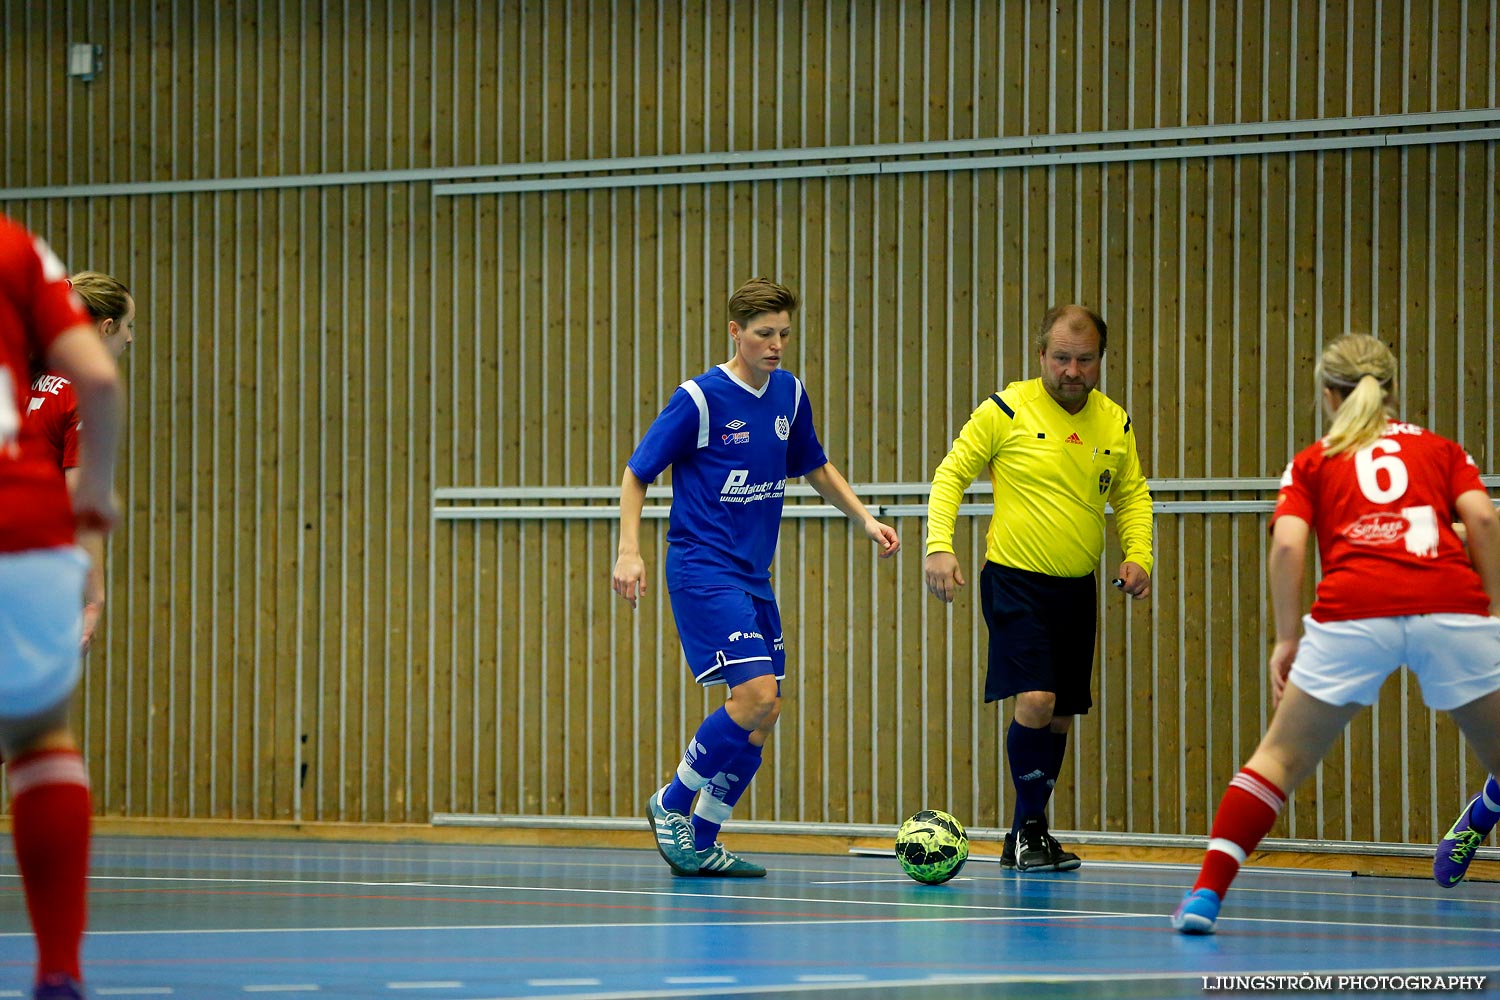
point(731, 448)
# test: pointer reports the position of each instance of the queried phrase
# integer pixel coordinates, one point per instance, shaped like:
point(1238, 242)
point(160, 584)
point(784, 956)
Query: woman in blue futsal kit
point(733, 436)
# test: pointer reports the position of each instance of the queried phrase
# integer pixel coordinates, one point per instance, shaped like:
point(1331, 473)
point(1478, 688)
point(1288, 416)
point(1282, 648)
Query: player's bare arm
point(629, 579)
point(1284, 573)
point(1482, 532)
point(832, 486)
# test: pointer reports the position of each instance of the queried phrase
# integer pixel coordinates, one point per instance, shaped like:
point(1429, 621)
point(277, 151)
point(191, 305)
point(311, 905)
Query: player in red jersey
point(53, 414)
point(41, 589)
point(1397, 588)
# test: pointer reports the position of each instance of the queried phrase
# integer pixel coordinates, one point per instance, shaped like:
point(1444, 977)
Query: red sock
point(1246, 814)
point(50, 817)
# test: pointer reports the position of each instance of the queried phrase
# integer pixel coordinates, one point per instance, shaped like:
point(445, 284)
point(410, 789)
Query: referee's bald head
point(1070, 317)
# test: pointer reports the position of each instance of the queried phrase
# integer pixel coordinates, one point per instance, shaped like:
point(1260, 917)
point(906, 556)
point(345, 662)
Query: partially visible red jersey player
point(1381, 495)
point(41, 592)
point(52, 414)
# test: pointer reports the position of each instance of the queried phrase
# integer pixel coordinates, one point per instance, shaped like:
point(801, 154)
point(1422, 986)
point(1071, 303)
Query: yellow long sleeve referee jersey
point(1053, 472)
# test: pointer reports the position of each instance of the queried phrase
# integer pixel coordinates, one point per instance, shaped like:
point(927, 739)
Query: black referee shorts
point(1041, 635)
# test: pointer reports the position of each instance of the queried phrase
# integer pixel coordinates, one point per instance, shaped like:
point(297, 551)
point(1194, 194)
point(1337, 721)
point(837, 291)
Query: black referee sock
point(1032, 753)
point(1059, 750)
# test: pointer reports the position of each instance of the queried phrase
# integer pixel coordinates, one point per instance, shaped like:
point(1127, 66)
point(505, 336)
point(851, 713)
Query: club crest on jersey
point(1105, 478)
point(783, 428)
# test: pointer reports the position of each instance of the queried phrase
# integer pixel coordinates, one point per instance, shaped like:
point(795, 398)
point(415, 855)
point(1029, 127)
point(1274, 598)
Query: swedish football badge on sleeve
point(1105, 478)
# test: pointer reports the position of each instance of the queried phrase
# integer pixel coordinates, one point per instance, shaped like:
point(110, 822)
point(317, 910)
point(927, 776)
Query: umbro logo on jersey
point(1073, 438)
point(734, 425)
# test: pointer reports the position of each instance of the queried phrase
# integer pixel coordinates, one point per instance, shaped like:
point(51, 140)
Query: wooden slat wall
point(291, 635)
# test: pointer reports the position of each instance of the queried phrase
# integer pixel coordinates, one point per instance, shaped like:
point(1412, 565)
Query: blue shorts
point(728, 635)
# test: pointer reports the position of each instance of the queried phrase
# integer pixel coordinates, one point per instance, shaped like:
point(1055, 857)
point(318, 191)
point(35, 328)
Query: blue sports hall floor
point(210, 919)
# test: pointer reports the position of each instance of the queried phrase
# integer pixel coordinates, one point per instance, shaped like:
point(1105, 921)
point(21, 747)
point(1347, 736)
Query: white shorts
point(1455, 657)
point(41, 625)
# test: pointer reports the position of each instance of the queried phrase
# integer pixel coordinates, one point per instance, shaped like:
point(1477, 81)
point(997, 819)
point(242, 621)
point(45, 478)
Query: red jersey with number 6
point(1384, 520)
point(36, 305)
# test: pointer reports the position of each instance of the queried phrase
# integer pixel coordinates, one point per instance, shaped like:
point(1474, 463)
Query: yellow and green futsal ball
point(932, 846)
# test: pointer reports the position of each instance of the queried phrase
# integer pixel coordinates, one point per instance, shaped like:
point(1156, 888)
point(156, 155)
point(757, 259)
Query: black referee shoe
point(1038, 851)
point(1008, 852)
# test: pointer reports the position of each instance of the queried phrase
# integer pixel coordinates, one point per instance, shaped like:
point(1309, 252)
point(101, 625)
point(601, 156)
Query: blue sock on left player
point(721, 794)
point(718, 741)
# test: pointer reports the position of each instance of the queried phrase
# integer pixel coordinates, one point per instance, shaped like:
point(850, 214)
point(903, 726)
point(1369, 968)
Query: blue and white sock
point(721, 794)
point(718, 741)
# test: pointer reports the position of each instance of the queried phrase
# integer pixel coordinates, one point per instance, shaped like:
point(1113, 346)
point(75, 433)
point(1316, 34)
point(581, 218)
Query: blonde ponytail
point(1362, 370)
point(103, 295)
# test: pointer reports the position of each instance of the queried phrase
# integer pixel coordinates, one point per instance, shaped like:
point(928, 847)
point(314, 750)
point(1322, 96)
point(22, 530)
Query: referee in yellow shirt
point(1057, 452)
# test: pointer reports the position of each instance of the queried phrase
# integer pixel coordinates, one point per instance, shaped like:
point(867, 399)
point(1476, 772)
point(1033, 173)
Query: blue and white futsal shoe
point(718, 862)
point(674, 837)
point(1197, 913)
point(1456, 849)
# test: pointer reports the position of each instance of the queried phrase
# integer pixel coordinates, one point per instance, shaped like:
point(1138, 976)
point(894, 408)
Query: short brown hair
point(1075, 316)
point(103, 295)
point(759, 296)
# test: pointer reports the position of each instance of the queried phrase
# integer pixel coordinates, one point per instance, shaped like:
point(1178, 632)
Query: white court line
point(648, 857)
point(697, 897)
point(884, 881)
point(1316, 893)
point(436, 984)
point(637, 925)
point(563, 982)
point(702, 897)
point(1169, 866)
point(695, 980)
point(732, 897)
point(1162, 866)
point(993, 912)
point(1000, 979)
point(772, 924)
